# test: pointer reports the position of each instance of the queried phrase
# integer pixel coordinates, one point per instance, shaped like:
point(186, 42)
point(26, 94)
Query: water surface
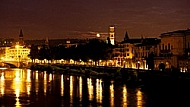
point(23, 87)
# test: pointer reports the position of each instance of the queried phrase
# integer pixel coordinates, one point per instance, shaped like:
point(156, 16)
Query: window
point(162, 46)
point(127, 54)
point(168, 46)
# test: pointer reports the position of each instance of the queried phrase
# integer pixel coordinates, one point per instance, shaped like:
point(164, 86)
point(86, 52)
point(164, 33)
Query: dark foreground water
point(21, 88)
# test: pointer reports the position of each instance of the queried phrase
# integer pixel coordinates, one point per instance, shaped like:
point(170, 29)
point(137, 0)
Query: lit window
point(68, 41)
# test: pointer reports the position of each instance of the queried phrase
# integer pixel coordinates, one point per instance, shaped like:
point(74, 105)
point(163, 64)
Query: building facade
point(124, 53)
point(15, 53)
point(174, 50)
point(145, 52)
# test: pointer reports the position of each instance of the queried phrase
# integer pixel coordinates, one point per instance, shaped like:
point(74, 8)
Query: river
point(23, 87)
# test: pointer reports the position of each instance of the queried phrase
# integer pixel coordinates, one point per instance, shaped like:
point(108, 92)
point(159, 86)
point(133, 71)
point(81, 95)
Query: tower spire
point(126, 36)
point(21, 34)
point(21, 40)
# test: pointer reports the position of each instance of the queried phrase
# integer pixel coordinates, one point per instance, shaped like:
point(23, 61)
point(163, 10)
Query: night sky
point(85, 18)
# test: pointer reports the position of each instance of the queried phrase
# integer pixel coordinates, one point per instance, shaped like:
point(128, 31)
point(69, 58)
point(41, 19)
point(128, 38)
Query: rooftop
point(187, 31)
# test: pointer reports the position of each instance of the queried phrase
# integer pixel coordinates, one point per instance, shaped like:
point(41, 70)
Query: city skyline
point(84, 19)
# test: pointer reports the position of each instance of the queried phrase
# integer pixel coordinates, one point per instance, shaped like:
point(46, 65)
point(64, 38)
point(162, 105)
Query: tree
point(45, 53)
point(150, 61)
point(98, 50)
point(95, 49)
point(33, 52)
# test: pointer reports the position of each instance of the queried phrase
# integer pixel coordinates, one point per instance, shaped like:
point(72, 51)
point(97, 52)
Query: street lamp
point(138, 64)
point(124, 64)
point(90, 61)
point(99, 63)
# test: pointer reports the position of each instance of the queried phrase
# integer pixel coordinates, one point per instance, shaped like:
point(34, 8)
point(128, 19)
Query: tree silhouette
point(150, 61)
point(95, 49)
point(33, 52)
point(45, 53)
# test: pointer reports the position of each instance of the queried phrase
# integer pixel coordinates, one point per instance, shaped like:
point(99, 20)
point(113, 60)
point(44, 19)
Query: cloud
point(86, 34)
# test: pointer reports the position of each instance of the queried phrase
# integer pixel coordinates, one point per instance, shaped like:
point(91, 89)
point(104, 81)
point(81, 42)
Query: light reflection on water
point(2, 84)
point(33, 88)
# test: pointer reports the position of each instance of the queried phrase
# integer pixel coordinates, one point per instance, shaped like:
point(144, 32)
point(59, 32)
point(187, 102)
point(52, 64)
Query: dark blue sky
point(84, 18)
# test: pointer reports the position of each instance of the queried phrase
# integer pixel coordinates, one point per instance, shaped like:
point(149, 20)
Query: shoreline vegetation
point(117, 74)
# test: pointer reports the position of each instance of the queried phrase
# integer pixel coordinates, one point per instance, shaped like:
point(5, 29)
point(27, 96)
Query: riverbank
point(118, 74)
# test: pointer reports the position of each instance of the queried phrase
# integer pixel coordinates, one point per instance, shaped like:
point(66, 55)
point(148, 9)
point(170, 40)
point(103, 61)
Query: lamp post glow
point(124, 64)
point(138, 64)
point(90, 61)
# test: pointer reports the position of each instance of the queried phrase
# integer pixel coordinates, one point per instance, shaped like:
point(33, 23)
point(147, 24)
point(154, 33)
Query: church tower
point(111, 35)
point(21, 40)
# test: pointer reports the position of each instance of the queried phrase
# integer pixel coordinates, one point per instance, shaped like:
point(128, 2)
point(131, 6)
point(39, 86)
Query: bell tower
point(112, 34)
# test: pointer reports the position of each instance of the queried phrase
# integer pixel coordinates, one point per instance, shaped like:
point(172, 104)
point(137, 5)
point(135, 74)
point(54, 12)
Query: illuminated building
point(174, 50)
point(16, 53)
point(132, 53)
point(19, 52)
point(145, 51)
point(124, 52)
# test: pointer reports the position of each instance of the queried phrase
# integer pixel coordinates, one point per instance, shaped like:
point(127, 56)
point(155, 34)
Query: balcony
point(165, 51)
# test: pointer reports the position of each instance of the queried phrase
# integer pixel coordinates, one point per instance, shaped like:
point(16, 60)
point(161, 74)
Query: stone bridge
point(12, 64)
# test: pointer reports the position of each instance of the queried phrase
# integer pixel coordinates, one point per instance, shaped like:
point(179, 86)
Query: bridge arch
point(165, 65)
point(10, 65)
point(162, 66)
